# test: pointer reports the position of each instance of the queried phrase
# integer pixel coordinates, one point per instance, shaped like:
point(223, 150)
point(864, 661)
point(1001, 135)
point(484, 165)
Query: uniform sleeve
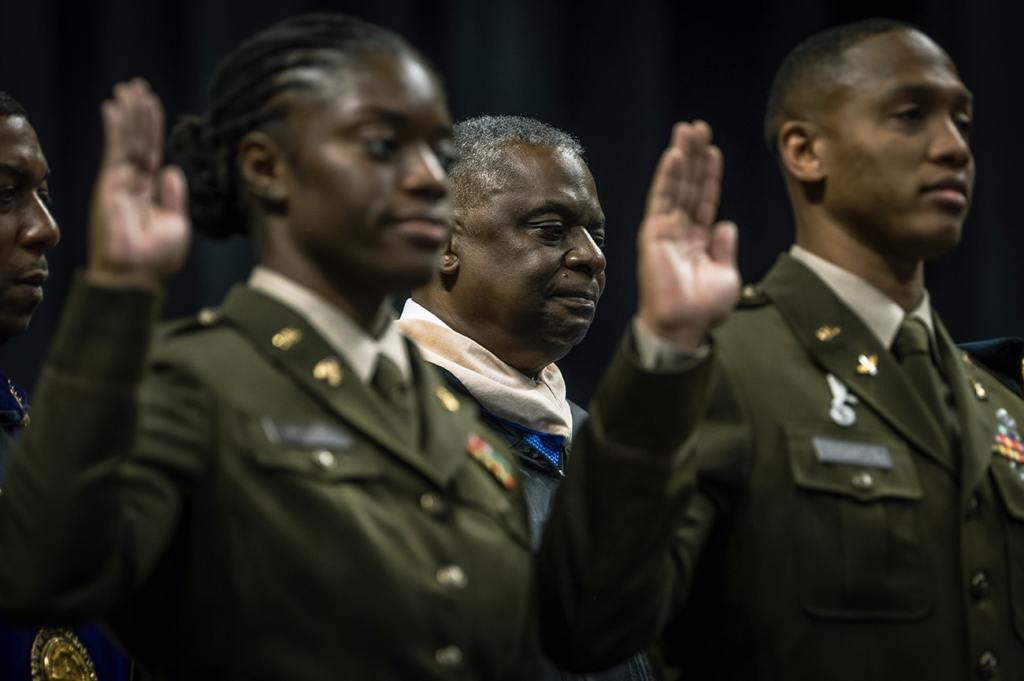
point(606, 570)
point(79, 523)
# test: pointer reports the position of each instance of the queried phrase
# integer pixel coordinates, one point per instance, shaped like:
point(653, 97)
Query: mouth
point(426, 230)
point(34, 278)
point(583, 300)
point(950, 192)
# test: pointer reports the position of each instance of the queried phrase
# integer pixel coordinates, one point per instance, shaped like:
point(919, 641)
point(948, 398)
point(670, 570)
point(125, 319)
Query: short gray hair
point(481, 145)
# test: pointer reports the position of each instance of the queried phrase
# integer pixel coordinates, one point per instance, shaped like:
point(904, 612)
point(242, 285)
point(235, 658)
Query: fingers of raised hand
point(711, 187)
point(133, 126)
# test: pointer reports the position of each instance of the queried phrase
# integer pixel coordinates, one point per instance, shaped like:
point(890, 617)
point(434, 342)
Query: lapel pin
point(748, 292)
point(207, 316)
point(329, 371)
point(840, 410)
point(867, 365)
point(286, 338)
point(448, 401)
point(979, 391)
point(827, 333)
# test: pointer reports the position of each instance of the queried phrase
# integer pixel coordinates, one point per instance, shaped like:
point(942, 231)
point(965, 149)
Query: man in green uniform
point(27, 233)
point(860, 506)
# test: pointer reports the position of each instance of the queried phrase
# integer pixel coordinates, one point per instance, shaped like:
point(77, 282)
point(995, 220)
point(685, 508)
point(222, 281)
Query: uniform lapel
point(287, 340)
point(443, 415)
point(974, 408)
point(809, 307)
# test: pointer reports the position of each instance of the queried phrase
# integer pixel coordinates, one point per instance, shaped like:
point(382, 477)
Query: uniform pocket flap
point(318, 450)
point(1010, 482)
point(867, 466)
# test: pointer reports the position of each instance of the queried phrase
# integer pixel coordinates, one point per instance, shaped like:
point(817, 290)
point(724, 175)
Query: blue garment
point(16, 642)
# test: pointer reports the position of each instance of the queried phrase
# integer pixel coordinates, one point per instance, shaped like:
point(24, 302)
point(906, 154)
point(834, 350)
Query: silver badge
point(840, 411)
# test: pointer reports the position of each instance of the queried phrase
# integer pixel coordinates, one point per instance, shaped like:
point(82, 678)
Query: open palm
point(138, 222)
point(687, 275)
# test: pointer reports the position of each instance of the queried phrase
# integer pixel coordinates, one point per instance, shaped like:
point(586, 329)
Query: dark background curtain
point(616, 74)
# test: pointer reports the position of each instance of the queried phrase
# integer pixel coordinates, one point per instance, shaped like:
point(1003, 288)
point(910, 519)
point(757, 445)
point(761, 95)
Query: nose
point(584, 253)
point(950, 145)
point(40, 232)
point(424, 175)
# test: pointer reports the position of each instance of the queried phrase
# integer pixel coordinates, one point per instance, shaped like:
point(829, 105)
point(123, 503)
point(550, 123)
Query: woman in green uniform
point(281, 487)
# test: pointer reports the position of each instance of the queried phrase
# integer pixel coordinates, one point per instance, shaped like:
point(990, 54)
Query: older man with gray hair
point(518, 287)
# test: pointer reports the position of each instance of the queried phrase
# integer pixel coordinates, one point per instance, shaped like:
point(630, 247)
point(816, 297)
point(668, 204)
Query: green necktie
point(396, 394)
point(912, 348)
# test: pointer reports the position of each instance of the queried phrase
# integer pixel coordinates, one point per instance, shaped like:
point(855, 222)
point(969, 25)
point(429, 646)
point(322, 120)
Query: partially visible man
point(27, 231)
point(860, 512)
point(518, 287)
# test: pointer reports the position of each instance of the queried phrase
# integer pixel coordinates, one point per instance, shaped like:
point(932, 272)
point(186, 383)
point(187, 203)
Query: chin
point(938, 241)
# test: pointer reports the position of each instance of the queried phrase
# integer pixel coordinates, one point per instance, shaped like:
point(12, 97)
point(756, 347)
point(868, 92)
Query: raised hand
point(138, 222)
point(686, 268)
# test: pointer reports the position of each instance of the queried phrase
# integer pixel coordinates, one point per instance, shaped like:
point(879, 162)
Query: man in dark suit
point(27, 231)
point(518, 287)
point(860, 512)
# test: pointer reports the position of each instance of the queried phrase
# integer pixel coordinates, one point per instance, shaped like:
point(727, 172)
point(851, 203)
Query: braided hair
point(244, 95)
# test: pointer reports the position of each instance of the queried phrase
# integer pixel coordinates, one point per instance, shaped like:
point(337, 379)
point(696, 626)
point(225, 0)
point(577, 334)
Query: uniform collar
point(345, 337)
point(880, 313)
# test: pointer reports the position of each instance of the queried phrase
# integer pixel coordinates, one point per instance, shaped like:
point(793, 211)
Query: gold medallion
point(58, 655)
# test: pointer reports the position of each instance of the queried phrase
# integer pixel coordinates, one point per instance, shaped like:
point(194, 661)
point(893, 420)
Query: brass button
point(862, 482)
point(452, 576)
point(324, 459)
point(988, 665)
point(449, 656)
point(980, 586)
point(433, 504)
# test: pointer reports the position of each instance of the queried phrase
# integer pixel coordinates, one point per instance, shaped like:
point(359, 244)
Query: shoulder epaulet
point(204, 319)
point(752, 296)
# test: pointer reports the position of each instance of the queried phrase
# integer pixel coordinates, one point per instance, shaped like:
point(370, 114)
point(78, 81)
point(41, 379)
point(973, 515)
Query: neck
point(490, 337)
point(901, 279)
point(367, 309)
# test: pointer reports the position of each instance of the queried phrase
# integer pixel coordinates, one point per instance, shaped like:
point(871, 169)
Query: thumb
point(172, 190)
point(724, 237)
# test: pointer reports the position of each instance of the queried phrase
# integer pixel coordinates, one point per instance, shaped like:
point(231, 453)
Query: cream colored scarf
point(537, 403)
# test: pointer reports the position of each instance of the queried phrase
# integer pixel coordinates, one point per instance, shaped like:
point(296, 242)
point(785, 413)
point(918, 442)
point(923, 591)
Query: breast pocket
point(316, 451)
point(1009, 481)
point(857, 528)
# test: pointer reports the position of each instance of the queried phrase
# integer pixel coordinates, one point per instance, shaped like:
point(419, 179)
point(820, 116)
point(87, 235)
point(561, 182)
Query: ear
point(800, 146)
point(450, 255)
point(262, 168)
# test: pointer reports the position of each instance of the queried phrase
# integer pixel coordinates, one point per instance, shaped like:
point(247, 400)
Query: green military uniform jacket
point(872, 550)
point(263, 518)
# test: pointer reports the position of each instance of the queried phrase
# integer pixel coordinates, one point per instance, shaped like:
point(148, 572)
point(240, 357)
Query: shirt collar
point(879, 312)
point(358, 348)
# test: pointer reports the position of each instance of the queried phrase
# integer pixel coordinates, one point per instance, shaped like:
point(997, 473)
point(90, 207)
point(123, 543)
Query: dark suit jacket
point(264, 520)
point(817, 551)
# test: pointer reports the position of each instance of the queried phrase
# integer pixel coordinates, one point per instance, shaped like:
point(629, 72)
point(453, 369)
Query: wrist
point(106, 278)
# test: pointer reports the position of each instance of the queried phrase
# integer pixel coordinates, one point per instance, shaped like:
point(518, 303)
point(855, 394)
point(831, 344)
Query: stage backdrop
point(616, 74)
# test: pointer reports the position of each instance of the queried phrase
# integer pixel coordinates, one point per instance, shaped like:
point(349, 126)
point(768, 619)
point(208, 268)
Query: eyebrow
point(962, 95)
point(394, 117)
point(19, 171)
